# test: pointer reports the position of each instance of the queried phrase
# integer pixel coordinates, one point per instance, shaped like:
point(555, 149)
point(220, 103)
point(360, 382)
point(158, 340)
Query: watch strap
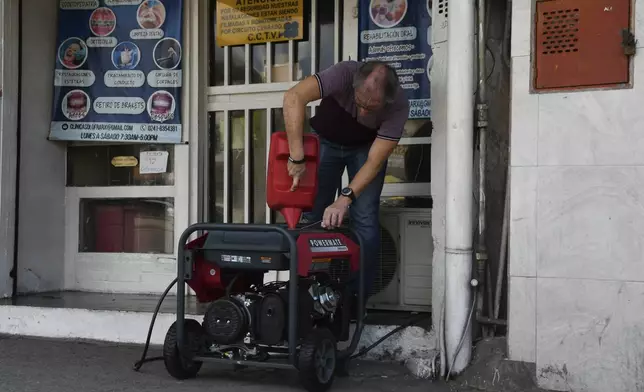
point(349, 194)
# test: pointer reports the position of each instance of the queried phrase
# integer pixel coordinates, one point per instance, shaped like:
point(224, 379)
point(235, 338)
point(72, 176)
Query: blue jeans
point(364, 211)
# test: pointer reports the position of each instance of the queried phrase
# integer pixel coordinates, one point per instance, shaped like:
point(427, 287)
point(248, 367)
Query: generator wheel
point(177, 365)
point(317, 360)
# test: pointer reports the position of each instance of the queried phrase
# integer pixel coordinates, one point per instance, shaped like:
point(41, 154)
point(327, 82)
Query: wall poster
point(398, 32)
point(118, 74)
point(242, 22)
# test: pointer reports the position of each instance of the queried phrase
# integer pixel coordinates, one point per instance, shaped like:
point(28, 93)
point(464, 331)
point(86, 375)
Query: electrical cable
point(463, 334)
point(441, 340)
point(310, 225)
point(489, 76)
point(230, 285)
point(392, 332)
point(138, 364)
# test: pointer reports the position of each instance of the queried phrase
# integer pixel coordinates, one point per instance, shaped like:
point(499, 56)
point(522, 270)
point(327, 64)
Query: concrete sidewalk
point(36, 365)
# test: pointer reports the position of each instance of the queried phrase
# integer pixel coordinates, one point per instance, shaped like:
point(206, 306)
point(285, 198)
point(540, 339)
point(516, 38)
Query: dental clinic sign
point(398, 32)
point(118, 74)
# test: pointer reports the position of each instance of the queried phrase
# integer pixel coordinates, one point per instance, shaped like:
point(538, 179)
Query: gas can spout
point(291, 216)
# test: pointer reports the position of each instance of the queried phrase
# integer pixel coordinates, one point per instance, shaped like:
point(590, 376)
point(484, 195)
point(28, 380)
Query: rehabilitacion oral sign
point(241, 22)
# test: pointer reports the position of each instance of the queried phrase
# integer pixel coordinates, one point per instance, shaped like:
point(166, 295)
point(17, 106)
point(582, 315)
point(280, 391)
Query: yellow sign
point(125, 161)
point(242, 22)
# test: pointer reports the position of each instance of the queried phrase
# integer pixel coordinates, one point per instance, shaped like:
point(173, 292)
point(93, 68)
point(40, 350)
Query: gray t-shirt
point(337, 82)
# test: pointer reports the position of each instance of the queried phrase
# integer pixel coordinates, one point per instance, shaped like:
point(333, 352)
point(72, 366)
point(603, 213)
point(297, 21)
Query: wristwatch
point(348, 192)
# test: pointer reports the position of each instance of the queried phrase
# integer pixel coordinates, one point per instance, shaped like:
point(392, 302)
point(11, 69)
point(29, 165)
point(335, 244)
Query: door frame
point(10, 101)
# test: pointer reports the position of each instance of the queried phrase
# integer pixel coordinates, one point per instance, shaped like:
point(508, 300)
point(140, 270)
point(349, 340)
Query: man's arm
point(295, 101)
point(387, 140)
point(388, 137)
point(379, 152)
point(332, 80)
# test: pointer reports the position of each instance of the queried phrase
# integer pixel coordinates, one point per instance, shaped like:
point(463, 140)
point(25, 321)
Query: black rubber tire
point(178, 366)
point(318, 341)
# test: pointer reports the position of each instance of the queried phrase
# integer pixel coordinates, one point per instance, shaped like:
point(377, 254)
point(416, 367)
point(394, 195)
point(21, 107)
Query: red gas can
point(278, 186)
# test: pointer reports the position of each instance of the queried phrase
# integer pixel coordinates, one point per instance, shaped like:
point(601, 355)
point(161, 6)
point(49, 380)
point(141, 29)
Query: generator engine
point(260, 317)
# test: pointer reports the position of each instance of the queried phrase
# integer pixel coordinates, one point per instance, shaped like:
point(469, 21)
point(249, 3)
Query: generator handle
point(293, 283)
point(346, 353)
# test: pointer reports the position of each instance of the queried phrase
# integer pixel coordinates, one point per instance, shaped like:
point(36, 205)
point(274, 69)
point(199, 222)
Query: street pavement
point(35, 365)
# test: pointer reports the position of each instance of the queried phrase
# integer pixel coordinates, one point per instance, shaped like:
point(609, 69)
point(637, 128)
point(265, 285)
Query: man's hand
point(296, 170)
point(335, 213)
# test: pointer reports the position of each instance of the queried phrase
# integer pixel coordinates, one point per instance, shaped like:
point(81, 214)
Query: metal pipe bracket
point(481, 115)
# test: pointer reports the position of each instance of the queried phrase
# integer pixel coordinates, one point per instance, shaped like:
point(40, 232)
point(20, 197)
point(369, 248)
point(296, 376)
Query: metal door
point(247, 84)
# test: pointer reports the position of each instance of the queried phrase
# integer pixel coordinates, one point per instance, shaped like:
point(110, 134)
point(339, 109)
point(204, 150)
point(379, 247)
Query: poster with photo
point(118, 74)
point(398, 32)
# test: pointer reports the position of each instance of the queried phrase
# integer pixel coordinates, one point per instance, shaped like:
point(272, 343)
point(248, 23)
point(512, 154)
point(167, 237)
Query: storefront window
point(302, 49)
point(258, 165)
point(409, 168)
point(278, 120)
point(281, 71)
point(237, 159)
point(236, 166)
point(258, 154)
point(411, 160)
point(324, 41)
point(326, 33)
point(237, 67)
point(409, 164)
point(144, 225)
point(120, 165)
point(216, 167)
point(258, 60)
point(217, 65)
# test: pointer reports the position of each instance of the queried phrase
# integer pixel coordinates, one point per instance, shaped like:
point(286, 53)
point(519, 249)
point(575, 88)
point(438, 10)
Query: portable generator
point(295, 324)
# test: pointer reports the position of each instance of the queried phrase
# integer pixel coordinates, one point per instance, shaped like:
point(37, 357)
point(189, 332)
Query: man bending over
point(359, 122)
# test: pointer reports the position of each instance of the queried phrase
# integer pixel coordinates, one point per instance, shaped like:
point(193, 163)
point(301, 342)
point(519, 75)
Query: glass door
point(247, 84)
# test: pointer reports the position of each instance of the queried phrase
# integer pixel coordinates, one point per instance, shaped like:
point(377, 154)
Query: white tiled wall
point(522, 336)
point(577, 227)
point(523, 215)
point(41, 215)
point(524, 117)
point(592, 339)
point(124, 273)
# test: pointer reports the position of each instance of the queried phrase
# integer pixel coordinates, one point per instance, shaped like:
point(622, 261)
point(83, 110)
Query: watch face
point(346, 192)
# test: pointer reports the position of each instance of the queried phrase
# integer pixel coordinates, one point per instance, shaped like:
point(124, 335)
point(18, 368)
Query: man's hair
point(390, 83)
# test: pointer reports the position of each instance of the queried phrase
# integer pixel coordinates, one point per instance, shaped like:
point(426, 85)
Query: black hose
point(230, 285)
point(394, 331)
point(138, 364)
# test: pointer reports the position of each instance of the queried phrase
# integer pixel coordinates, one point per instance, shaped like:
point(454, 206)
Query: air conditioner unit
point(404, 278)
point(440, 12)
